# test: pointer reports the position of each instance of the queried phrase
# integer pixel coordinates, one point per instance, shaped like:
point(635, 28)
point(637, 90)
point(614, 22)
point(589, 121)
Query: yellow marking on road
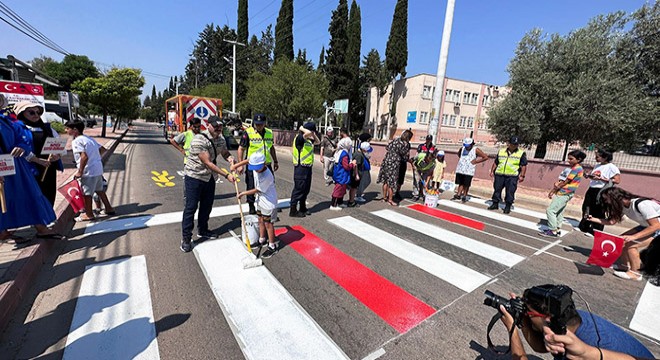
point(162, 179)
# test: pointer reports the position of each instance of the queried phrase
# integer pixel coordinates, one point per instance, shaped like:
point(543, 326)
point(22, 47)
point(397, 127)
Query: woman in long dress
point(397, 152)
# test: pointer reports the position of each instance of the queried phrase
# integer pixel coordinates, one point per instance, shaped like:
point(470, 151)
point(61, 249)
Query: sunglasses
point(31, 112)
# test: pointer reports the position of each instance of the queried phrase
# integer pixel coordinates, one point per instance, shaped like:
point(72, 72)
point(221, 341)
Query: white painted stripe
point(476, 247)
point(375, 355)
point(113, 317)
point(517, 209)
point(496, 216)
point(545, 248)
point(139, 222)
point(647, 317)
point(259, 309)
point(452, 272)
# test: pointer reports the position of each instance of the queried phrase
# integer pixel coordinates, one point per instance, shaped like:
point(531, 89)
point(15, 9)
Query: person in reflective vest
point(423, 164)
point(257, 138)
point(508, 169)
point(303, 160)
point(182, 141)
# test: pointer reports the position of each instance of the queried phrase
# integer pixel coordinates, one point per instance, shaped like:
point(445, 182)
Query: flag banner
point(72, 193)
point(607, 248)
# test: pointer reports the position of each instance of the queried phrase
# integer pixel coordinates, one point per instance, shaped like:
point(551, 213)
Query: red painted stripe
point(394, 305)
point(448, 216)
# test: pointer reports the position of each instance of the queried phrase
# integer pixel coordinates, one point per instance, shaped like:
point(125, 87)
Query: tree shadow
point(116, 163)
point(578, 249)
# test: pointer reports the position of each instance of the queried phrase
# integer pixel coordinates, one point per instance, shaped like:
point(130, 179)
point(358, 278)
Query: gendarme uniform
point(508, 166)
point(302, 152)
point(256, 143)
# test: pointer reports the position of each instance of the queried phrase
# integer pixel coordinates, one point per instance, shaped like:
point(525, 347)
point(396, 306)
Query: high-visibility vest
point(259, 144)
point(420, 164)
point(186, 144)
point(508, 164)
point(304, 157)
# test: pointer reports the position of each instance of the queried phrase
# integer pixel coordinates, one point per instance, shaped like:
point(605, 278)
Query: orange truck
point(181, 109)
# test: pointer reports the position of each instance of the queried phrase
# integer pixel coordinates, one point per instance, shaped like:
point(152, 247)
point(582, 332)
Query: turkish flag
point(607, 248)
point(73, 195)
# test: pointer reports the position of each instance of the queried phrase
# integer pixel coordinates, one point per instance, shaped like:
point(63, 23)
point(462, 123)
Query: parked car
point(647, 150)
point(90, 123)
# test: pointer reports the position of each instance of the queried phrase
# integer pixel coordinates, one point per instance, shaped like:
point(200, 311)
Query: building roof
point(22, 71)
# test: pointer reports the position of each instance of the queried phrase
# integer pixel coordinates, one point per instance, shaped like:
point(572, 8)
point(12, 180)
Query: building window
point(470, 122)
point(452, 95)
point(486, 100)
point(474, 99)
point(470, 98)
point(449, 120)
point(466, 98)
point(483, 124)
point(426, 92)
point(423, 117)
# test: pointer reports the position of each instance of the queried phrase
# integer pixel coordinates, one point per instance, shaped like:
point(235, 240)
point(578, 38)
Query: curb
point(16, 282)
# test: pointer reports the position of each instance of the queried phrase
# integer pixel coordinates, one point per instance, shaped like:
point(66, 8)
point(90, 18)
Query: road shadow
point(588, 269)
point(116, 163)
point(487, 354)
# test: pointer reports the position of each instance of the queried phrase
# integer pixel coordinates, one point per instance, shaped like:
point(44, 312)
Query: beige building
point(464, 108)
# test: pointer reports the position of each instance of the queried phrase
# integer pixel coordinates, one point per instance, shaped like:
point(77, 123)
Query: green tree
point(207, 64)
point(321, 64)
point(301, 59)
point(356, 98)
point(242, 25)
point(291, 93)
point(50, 67)
point(217, 91)
point(113, 92)
point(75, 68)
point(336, 69)
point(375, 75)
point(284, 32)
point(396, 54)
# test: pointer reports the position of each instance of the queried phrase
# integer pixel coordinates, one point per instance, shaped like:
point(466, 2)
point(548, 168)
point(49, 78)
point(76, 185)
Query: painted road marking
point(497, 216)
point(476, 247)
point(449, 271)
point(394, 305)
point(144, 221)
point(647, 317)
point(163, 179)
point(461, 220)
point(257, 306)
point(113, 317)
point(516, 209)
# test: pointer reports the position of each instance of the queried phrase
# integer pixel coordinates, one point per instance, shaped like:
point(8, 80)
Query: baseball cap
point(429, 137)
point(365, 146)
point(514, 140)
point(468, 141)
point(256, 161)
point(310, 126)
point(259, 119)
point(329, 129)
point(440, 153)
point(215, 121)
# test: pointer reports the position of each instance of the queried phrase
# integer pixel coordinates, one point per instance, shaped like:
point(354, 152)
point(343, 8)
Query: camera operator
point(586, 334)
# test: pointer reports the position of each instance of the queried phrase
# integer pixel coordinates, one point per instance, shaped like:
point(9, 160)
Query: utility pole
point(442, 69)
point(233, 86)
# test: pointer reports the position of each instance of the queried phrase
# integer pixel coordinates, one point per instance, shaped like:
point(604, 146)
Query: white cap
point(440, 153)
point(256, 161)
point(467, 141)
point(365, 146)
point(329, 129)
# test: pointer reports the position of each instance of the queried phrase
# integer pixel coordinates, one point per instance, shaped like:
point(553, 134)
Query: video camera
point(555, 301)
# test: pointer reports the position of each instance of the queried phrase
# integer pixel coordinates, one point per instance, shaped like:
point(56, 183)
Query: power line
point(26, 25)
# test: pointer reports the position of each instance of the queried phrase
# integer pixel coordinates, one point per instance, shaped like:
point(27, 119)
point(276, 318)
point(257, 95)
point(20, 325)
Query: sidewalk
point(19, 264)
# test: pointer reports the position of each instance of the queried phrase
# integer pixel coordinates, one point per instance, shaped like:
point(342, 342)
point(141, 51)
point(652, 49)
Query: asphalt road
point(191, 320)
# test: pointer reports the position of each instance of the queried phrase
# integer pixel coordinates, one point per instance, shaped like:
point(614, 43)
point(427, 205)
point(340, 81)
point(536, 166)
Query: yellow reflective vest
point(259, 144)
point(508, 164)
point(186, 144)
point(304, 157)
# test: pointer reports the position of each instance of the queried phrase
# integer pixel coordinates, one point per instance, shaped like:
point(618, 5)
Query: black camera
point(553, 300)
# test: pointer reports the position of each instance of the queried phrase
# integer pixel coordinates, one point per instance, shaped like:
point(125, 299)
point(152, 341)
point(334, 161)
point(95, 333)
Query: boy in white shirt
point(266, 199)
point(87, 153)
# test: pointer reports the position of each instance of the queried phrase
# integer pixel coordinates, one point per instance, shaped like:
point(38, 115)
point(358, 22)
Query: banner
point(73, 195)
point(54, 146)
point(7, 166)
point(447, 185)
point(607, 248)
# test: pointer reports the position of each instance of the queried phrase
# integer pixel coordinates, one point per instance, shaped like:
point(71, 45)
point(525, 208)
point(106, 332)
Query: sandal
point(619, 267)
point(84, 218)
point(624, 275)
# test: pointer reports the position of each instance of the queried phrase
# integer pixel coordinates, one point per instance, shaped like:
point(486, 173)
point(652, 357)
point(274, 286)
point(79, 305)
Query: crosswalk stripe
point(531, 213)
point(452, 272)
point(391, 303)
point(476, 247)
point(279, 320)
point(646, 317)
point(478, 225)
point(140, 222)
point(496, 216)
point(113, 318)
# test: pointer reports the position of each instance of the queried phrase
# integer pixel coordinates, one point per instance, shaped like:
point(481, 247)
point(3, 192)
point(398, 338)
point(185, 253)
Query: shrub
point(58, 126)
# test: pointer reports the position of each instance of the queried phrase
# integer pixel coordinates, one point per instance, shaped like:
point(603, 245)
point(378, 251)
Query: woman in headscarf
point(341, 172)
point(26, 205)
point(30, 115)
point(397, 154)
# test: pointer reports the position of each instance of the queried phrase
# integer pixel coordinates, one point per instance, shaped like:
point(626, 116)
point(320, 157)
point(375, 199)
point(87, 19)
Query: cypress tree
point(284, 32)
point(242, 26)
point(396, 53)
point(336, 69)
point(154, 96)
point(321, 65)
point(353, 61)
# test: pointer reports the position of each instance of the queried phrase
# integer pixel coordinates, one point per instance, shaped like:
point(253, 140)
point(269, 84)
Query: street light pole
point(233, 86)
point(442, 69)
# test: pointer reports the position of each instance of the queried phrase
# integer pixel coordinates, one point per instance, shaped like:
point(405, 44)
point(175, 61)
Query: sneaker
point(263, 242)
point(360, 199)
point(624, 275)
point(494, 206)
point(507, 209)
point(270, 252)
point(457, 197)
point(343, 206)
point(464, 199)
point(415, 198)
point(207, 235)
point(305, 211)
point(548, 233)
point(186, 246)
point(335, 208)
point(352, 204)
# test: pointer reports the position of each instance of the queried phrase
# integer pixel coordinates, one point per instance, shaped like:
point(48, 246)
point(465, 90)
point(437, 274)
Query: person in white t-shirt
point(87, 153)
point(266, 199)
point(603, 173)
point(646, 212)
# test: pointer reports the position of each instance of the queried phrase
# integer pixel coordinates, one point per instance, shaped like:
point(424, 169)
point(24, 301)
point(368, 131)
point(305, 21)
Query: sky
point(158, 36)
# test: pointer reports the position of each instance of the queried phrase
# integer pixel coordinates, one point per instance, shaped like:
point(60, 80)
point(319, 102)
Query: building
point(464, 108)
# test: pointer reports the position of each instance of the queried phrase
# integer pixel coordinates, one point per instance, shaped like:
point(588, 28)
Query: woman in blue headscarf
point(26, 205)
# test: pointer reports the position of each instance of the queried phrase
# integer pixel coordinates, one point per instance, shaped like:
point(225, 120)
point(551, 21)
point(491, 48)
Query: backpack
point(636, 203)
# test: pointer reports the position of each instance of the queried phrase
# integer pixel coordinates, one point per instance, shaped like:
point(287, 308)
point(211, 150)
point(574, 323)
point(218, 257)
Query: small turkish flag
point(607, 248)
point(73, 195)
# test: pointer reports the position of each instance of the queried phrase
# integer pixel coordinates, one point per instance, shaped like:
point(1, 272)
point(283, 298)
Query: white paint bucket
point(251, 228)
point(431, 200)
